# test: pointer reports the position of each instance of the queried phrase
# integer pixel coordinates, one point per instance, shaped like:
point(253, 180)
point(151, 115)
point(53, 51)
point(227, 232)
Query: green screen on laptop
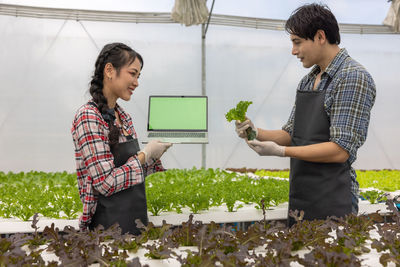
point(177, 113)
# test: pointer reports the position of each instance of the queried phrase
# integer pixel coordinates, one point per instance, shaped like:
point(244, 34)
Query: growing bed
point(227, 212)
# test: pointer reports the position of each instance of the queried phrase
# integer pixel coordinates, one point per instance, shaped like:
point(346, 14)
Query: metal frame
point(164, 17)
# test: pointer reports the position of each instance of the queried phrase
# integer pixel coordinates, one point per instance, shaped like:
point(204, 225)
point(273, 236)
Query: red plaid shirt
point(95, 163)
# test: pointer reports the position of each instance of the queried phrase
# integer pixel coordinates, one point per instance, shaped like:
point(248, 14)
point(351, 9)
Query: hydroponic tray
point(370, 259)
point(248, 213)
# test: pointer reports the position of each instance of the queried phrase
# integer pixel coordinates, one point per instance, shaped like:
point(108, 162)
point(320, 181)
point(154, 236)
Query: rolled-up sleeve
point(153, 168)
point(350, 111)
point(288, 126)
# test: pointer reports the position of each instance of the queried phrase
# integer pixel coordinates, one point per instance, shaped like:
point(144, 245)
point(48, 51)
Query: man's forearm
point(280, 137)
point(327, 152)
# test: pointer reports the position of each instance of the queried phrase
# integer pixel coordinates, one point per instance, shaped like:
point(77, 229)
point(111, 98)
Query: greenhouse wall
point(47, 65)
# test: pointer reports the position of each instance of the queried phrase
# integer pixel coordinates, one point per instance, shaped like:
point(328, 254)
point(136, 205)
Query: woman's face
point(123, 85)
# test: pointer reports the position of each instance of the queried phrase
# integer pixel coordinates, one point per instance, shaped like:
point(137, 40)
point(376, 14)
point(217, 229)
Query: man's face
point(306, 50)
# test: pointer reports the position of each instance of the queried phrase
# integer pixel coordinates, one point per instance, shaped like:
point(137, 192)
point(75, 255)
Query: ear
point(108, 70)
point(320, 37)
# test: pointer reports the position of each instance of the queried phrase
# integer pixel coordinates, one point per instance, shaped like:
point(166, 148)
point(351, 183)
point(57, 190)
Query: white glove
point(267, 148)
point(242, 126)
point(154, 150)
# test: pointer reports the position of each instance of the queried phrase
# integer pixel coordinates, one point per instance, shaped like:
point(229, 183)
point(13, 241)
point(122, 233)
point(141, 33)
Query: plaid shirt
point(94, 162)
point(348, 102)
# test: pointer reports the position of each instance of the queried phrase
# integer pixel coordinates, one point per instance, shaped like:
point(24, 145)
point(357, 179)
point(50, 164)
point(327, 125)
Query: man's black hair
point(306, 20)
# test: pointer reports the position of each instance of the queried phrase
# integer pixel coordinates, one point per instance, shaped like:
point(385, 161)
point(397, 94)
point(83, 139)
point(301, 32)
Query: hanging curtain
point(393, 17)
point(190, 12)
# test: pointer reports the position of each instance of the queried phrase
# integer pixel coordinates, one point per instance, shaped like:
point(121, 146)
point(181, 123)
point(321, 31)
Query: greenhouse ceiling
point(254, 14)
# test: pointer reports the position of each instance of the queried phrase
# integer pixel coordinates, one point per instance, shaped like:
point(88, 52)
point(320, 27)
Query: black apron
point(319, 189)
point(127, 205)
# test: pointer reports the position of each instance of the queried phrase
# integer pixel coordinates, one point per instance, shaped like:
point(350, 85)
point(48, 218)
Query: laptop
point(178, 119)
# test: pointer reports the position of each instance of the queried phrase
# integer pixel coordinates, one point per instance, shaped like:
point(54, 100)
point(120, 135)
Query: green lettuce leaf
point(239, 113)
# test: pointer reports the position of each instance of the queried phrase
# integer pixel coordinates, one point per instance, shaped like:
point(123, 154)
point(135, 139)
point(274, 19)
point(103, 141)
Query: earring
point(109, 78)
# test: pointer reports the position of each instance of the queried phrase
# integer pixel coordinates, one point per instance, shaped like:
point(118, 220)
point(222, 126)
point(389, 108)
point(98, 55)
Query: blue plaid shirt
point(348, 102)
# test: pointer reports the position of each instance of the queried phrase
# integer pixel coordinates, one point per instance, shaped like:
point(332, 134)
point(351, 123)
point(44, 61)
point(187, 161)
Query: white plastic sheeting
point(47, 64)
point(393, 17)
point(355, 11)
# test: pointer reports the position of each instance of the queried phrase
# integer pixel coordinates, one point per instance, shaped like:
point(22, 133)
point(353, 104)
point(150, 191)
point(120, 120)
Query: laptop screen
point(187, 113)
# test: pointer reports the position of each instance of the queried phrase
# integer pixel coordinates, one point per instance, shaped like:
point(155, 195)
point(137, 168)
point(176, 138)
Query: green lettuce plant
point(55, 195)
point(374, 196)
point(239, 113)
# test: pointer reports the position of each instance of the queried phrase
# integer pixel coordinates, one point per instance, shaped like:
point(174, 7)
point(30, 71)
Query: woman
point(111, 168)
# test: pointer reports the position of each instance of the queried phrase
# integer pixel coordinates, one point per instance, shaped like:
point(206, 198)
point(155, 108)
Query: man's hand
point(242, 126)
point(267, 148)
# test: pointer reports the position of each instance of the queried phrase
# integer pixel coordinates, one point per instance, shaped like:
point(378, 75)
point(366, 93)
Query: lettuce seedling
point(374, 196)
point(239, 113)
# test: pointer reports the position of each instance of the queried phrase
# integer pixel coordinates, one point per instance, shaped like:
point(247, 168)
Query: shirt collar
point(336, 62)
point(332, 67)
point(314, 72)
point(122, 115)
point(121, 112)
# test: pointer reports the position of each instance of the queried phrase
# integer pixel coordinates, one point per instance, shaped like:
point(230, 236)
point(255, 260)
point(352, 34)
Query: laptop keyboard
point(177, 134)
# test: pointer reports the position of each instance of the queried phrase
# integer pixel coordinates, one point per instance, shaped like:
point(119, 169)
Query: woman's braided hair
point(119, 55)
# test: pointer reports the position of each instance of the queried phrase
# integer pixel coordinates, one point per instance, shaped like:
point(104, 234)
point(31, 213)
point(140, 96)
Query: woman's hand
point(154, 150)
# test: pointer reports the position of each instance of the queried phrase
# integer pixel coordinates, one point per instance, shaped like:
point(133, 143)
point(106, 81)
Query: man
point(328, 122)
